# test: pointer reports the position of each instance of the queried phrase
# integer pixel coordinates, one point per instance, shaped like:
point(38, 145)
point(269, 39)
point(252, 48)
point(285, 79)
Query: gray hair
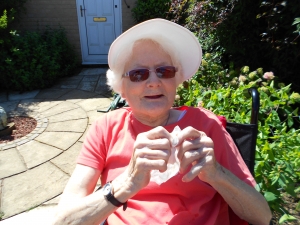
point(114, 78)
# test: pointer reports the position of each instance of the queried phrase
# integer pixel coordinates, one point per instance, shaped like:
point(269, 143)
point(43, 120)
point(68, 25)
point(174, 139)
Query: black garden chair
point(244, 135)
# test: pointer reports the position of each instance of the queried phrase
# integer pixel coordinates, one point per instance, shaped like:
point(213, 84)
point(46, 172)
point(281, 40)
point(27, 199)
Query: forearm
point(92, 209)
point(243, 199)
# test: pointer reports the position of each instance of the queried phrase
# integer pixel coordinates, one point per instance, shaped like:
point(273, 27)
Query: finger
point(153, 153)
point(157, 133)
point(196, 169)
point(162, 143)
point(189, 157)
point(194, 144)
point(145, 164)
point(189, 133)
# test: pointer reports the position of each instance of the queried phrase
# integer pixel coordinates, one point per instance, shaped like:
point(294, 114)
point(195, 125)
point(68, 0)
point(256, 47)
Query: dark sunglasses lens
point(138, 75)
point(166, 72)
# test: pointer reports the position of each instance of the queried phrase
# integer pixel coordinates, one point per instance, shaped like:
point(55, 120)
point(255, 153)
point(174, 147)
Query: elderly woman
point(212, 185)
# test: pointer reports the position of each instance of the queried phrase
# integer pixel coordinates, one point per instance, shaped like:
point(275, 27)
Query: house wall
point(42, 13)
point(127, 19)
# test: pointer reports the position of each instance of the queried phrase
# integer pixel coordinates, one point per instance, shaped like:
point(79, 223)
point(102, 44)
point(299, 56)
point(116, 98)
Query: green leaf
point(298, 206)
point(257, 187)
point(269, 196)
point(286, 217)
point(296, 21)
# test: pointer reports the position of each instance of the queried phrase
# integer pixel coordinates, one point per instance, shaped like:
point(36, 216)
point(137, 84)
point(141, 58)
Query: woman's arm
point(79, 205)
point(243, 199)
point(197, 149)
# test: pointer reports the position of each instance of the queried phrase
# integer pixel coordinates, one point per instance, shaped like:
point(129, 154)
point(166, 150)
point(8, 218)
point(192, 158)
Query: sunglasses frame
point(145, 76)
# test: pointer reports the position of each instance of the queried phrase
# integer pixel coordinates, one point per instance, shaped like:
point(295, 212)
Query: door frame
point(96, 59)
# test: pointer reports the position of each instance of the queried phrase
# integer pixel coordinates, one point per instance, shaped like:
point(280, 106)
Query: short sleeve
point(93, 152)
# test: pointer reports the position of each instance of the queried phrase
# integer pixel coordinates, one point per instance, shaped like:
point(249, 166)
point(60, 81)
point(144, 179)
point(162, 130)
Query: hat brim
point(183, 41)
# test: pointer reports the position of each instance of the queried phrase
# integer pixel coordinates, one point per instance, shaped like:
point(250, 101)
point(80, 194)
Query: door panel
point(99, 36)
point(99, 26)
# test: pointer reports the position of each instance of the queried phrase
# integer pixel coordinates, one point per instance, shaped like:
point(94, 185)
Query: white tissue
point(173, 163)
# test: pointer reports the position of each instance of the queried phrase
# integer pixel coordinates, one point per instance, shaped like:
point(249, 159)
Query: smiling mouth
point(154, 96)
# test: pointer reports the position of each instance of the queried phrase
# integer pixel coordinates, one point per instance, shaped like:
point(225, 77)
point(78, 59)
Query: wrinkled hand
point(152, 150)
point(196, 149)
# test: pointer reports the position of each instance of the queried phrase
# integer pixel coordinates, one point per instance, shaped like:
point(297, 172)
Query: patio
point(35, 169)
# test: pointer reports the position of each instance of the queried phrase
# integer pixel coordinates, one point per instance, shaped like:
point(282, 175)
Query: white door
point(99, 25)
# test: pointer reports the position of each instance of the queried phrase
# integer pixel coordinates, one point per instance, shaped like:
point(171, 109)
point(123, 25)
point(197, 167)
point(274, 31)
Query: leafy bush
point(277, 169)
point(150, 9)
point(178, 12)
point(261, 33)
point(35, 60)
point(31, 60)
point(10, 11)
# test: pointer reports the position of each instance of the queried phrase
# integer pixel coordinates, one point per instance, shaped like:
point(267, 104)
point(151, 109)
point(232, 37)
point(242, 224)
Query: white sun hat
point(182, 41)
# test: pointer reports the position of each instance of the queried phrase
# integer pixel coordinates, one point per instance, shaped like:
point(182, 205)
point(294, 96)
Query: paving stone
point(38, 105)
point(74, 114)
point(92, 71)
point(60, 108)
point(29, 105)
point(51, 93)
point(35, 153)
point(69, 86)
point(53, 201)
point(31, 188)
point(67, 160)
point(101, 86)
point(98, 102)
point(0, 193)
point(70, 125)
point(10, 163)
point(93, 116)
point(87, 85)
point(41, 215)
point(9, 106)
point(84, 134)
point(69, 82)
point(22, 113)
point(73, 78)
point(77, 95)
point(103, 71)
point(13, 96)
point(61, 140)
point(9, 146)
point(90, 78)
point(3, 97)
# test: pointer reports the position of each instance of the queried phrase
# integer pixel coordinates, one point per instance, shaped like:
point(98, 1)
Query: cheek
point(130, 89)
point(123, 90)
point(172, 87)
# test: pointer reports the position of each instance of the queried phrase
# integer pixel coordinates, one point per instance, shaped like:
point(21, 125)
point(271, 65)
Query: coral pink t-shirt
point(108, 147)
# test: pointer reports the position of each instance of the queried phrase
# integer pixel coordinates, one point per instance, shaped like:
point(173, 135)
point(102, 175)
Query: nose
point(153, 80)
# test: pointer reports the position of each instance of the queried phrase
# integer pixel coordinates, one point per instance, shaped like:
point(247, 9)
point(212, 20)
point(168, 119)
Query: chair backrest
point(244, 135)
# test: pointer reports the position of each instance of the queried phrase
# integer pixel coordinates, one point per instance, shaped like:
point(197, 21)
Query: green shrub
point(262, 33)
point(221, 90)
point(178, 12)
point(36, 60)
point(10, 11)
point(150, 9)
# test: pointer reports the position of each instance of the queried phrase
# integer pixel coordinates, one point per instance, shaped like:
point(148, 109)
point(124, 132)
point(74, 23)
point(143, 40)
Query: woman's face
point(154, 96)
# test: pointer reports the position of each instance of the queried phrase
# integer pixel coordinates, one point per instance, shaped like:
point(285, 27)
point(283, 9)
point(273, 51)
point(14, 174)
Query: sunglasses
point(139, 75)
